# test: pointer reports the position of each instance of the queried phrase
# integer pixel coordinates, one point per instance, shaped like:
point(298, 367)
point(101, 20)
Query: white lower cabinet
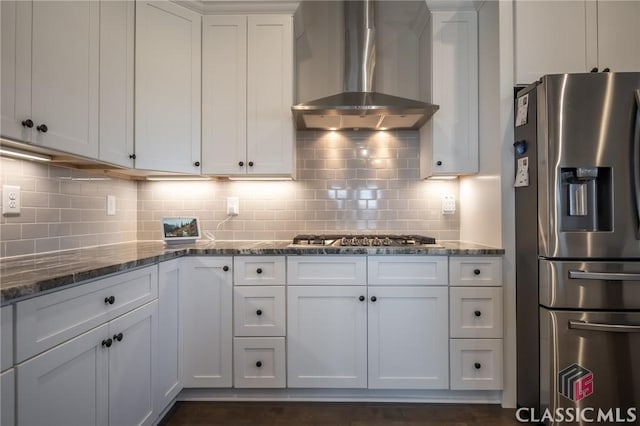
point(259, 362)
point(207, 326)
point(103, 376)
point(7, 390)
point(408, 338)
point(327, 337)
point(168, 381)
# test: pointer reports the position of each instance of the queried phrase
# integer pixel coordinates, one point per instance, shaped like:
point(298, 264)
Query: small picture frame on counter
point(180, 230)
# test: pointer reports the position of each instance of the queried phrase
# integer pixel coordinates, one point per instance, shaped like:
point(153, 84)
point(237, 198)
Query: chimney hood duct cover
point(359, 107)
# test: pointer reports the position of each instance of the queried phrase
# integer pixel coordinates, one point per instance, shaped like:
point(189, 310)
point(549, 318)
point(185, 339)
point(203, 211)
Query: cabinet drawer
point(327, 270)
point(259, 362)
point(45, 321)
point(6, 337)
point(476, 364)
point(475, 271)
point(259, 311)
point(476, 312)
point(259, 270)
point(408, 270)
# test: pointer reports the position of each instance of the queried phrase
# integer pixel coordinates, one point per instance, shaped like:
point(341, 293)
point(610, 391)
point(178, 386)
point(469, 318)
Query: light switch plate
point(111, 205)
point(10, 200)
point(448, 204)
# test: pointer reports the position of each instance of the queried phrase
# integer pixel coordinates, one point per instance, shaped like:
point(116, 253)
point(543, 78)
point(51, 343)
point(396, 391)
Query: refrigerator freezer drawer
point(613, 285)
point(589, 360)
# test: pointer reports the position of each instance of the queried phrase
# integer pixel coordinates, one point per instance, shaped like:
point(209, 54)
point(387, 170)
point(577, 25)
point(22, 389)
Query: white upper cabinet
point(247, 95)
point(575, 36)
point(67, 76)
point(167, 87)
point(449, 141)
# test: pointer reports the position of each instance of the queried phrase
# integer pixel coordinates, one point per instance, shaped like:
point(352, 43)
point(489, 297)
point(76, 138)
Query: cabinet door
point(167, 87)
point(619, 35)
point(65, 46)
point(117, 21)
point(408, 338)
point(169, 355)
point(550, 38)
point(15, 74)
point(270, 135)
point(131, 359)
point(67, 385)
point(224, 94)
point(7, 404)
point(327, 337)
point(6, 337)
point(207, 321)
point(455, 90)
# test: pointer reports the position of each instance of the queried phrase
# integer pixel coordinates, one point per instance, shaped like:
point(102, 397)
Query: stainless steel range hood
point(359, 107)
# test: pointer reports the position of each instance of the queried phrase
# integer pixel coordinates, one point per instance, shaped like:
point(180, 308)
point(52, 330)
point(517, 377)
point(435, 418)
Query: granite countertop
point(26, 276)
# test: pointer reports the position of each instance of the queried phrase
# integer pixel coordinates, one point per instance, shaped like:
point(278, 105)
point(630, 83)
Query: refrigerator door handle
point(594, 326)
point(612, 276)
point(635, 163)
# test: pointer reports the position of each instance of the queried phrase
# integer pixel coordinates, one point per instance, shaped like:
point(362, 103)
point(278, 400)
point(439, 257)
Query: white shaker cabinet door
point(67, 385)
point(7, 405)
point(408, 338)
point(167, 87)
point(207, 327)
point(131, 358)
point(327, 337)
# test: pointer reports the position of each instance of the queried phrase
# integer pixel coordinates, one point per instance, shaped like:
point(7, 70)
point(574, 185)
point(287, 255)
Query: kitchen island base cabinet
point(408, 339)
point(327, 337)
point(207, 326)
point(7, 390)
point(103, 376)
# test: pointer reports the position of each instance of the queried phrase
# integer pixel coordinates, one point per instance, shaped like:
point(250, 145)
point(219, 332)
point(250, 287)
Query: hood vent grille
point(359, 107)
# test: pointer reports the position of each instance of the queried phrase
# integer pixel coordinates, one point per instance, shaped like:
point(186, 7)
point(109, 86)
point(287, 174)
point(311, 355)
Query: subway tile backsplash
point(64, 208)
point(346, 182)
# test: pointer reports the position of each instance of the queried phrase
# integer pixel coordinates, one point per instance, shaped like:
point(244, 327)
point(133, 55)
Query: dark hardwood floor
point(335, 414)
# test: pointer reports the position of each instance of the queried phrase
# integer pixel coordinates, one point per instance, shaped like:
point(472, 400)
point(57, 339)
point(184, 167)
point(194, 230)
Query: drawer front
point(6, 337)
point(476, 312)
point(259, 311)
point(259, 362)
point(326, 270)
point(482, 271)
point(48, 320)
point(408, 270)
point(476, 364)
point(259, 270)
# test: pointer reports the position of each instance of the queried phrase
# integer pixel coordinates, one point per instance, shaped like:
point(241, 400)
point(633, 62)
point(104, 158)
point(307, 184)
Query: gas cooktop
point(361, 240)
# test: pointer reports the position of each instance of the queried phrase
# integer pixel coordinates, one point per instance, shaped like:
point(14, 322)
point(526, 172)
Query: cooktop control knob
point(376, 241)
point(343, 241)
point(365, 241)
point(386, 241)
point(354, 241)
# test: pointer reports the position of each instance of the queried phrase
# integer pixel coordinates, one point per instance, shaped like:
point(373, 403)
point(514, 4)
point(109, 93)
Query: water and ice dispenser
point(586, 199)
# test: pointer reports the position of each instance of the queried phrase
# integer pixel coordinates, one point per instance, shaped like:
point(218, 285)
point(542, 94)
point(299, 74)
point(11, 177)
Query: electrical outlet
point(10, 200)
point(233, 206)
point(448, 204)
point(111, 205)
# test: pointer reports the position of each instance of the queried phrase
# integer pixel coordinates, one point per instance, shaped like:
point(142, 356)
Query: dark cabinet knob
point(477, 313)
point(607, 69)
point(241, 163)
point(361, 298)
point(110, 300)
point(259, 364)
point(259, 270)
point(118, 337)
point(225, 268)
point(438, 163)
point(259, 312)
point(594, 69)
point(476, 272)
point(132, 156)
point(250, 163)
point(477, 365)
point(373, 298)
point(27, 123)
point(107, 343)
point(197, 164)
point(42, 128)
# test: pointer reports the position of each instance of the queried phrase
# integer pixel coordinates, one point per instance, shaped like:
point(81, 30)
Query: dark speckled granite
point(25, 276)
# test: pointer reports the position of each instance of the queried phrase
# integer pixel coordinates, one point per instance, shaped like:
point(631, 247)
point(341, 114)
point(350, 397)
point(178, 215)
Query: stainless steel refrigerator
point(577, 157)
